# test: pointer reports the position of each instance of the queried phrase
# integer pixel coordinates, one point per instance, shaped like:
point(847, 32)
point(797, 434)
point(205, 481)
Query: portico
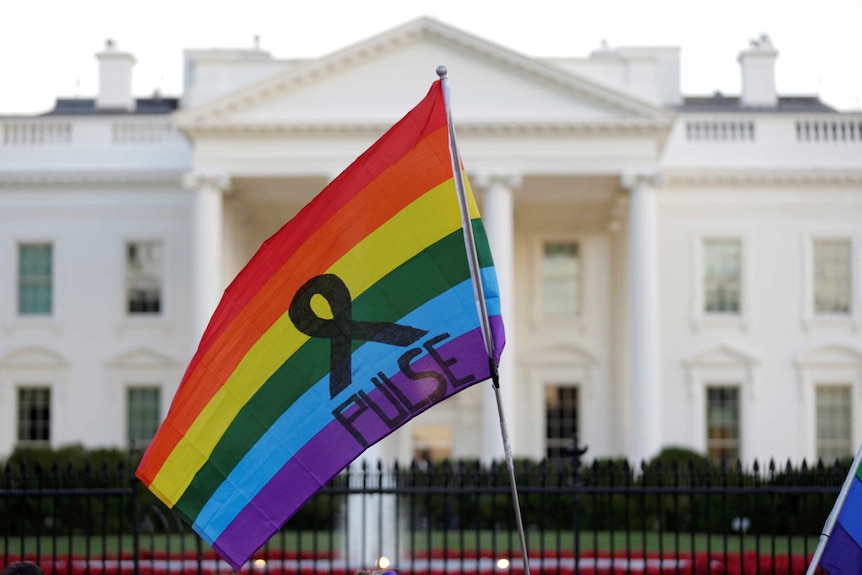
point(571, 163)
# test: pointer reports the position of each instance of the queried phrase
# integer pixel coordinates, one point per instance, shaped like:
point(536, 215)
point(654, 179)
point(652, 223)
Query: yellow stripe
point(424, 222)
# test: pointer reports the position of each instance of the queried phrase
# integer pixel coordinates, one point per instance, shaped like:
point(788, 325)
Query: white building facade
point(675, 271)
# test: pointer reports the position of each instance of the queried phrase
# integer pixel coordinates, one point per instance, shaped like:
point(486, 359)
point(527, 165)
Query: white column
point(207, 283)
point(373, 526)
point(644, 327)
point(498, 217)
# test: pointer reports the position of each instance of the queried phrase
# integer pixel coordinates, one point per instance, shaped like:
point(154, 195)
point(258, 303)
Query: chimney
point(115, 79)
point(758, 73)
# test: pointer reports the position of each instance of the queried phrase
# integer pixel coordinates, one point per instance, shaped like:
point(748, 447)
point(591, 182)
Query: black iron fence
point(677, 515)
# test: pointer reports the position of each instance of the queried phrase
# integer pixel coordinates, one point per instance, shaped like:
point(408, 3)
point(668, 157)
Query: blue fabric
point(850, 516)
point(842, 555)
point(843, 552)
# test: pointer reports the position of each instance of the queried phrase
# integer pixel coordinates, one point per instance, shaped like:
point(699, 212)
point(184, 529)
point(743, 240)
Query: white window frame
point(564, 365)
point(719, 366)
point(159, 386)
point(18, 284)
point(140, 367)
point(811, 319)
point(15, 321)
point(721, 384)
point(848, 385)
point(164, 320)
point(32, 366)
point(539, 317)
point(162, 271)
point(579, 391)
point(827, 364)
point(52, 409)
point(700, 318)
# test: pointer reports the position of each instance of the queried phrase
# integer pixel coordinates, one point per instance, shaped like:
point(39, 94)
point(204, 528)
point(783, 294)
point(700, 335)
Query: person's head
point(23, 568)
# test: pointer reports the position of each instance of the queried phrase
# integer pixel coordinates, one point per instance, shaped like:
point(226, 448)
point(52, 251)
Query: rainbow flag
point(842, 554)
point(354, 317)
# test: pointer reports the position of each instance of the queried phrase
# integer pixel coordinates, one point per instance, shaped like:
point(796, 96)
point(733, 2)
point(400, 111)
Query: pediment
point(377, 81)
point(33, 357)
point(560, 355)
point(830, 356)
point(142, 357)
point(720, 357)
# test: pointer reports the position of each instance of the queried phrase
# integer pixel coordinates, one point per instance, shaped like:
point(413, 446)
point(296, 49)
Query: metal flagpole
point(478, 290)
point(833, 516)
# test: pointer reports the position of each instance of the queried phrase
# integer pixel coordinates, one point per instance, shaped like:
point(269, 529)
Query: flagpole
point(833, 515)
point(479, 292)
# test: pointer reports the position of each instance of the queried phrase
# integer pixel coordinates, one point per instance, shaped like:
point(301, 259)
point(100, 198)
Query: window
point(722, 423)
point(561, 419)
point(561, 276)
point(143, 414)
point(833, 280)
point(34, 415)
point(722, 276)
point(833, 422)
point(432, 442)
point(35, 279)
point(144, 277)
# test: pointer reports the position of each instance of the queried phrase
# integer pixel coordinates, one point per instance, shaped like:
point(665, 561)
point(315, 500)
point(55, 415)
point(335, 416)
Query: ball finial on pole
point(441, 71)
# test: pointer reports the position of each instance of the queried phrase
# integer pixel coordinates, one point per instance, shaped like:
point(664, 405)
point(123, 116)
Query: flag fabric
point(354, 317)
point(842, 554)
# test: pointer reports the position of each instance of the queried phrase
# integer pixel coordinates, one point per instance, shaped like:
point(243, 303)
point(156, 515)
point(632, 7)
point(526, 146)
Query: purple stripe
point(498, 334)
point(842, 556)
point(334, 447)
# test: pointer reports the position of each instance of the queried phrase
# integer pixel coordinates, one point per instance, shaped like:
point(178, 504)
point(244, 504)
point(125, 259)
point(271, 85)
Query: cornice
point(516, 61)
point(631, 180)
point(362, 52)
point(92, 179)
point(214, 181)
point(237, 130)
point(763, 177)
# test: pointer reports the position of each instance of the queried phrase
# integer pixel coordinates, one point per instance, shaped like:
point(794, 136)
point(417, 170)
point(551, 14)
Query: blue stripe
point(850, 515)
point(453, 312)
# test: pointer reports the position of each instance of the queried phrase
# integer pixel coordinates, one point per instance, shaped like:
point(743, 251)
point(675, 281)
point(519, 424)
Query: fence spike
point(837, 468)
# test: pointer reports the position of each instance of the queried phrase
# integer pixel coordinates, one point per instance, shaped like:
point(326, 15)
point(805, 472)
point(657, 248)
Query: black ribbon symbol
point(342, 330)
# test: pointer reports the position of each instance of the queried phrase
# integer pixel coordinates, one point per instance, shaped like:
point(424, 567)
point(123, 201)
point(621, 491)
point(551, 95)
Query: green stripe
point(423, 277)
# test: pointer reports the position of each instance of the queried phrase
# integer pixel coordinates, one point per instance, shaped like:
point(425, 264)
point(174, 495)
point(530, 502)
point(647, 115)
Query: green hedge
point(677, 491)
point(109, 499)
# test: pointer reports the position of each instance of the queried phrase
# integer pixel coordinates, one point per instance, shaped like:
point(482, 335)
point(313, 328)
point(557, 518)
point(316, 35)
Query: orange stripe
point(426, 117)
point(378, 202)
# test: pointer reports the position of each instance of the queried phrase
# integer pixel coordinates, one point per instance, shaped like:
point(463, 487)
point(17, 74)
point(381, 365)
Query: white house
point(675, 270)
